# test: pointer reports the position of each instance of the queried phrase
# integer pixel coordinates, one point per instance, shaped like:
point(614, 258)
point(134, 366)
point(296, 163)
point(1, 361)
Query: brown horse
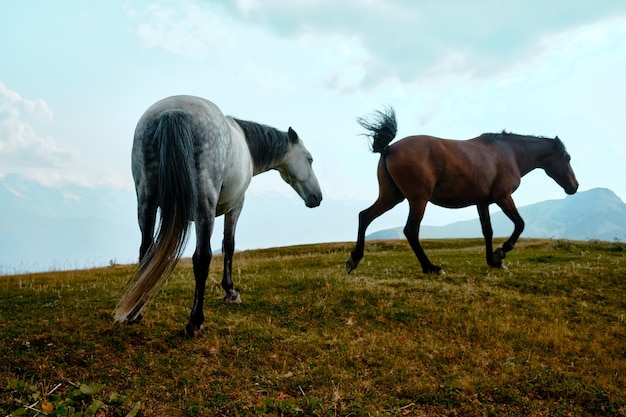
point(455, 174)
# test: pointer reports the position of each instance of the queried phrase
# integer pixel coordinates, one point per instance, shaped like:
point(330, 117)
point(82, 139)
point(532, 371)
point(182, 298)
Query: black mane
point(504, 135)
point(382, 126)
point(267, 144)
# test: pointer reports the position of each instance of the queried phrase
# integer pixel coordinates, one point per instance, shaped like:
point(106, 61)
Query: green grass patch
point(546, 336)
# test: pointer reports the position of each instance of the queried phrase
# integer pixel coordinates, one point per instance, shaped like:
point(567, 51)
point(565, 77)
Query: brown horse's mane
point(504, 135)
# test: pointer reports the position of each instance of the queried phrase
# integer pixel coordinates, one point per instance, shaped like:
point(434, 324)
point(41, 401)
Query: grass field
point(545, 337)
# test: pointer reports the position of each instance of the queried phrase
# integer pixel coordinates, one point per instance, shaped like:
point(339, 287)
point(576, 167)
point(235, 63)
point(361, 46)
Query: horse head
point(558, 167)
point(296, 169)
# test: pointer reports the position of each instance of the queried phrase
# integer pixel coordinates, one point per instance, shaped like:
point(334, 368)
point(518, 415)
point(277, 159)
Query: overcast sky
point(75, 76)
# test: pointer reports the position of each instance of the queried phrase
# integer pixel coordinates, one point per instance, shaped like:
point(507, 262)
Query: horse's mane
point(504, 135)
point(267, 145)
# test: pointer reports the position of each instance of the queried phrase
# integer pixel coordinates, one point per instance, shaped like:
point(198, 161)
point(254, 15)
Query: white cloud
point(187, 29)
point(254, 54)
point(21, 146)
point(27, 152)
point(409, 40)
point(14, 105)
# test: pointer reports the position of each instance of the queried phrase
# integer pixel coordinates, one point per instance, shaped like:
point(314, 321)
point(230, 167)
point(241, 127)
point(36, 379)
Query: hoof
point(498, 255)
point(232, 297)
point(134, 319)
point(434, 269)
point(350, 265)
point(192, 331)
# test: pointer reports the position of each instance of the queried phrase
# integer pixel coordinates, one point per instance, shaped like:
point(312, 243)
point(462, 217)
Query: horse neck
point(531, 152)
point(267, 145)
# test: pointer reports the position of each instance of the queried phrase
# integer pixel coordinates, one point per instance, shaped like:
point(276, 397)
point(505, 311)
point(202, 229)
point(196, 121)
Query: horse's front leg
point(228, 249)
point(201, 263)
point(508, 207)
point(493, 258)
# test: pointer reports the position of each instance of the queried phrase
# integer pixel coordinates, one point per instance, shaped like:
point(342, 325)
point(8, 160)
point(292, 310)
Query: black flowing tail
point(177, 198)
point(382, 129)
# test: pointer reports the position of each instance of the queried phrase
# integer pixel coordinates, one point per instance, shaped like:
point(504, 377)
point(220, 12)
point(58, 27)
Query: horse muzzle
point(572, 187)
point(313, 200)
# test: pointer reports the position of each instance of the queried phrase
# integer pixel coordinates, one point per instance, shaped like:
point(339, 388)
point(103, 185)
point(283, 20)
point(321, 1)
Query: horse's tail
point(382, 127)
point(177, 197)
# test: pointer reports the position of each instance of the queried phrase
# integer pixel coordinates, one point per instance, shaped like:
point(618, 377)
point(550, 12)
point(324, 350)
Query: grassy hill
point(547, 336)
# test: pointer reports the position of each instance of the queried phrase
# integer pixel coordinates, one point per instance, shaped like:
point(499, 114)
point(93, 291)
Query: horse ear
point(293, 136)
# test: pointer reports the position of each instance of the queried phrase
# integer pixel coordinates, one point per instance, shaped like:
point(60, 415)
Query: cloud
point(408, 40)
point(187, 29)
point(25, 151)
point(12, 104)
point(21, 147)
point(213, 34)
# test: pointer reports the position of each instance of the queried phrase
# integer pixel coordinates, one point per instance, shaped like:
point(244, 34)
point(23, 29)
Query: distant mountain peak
point(597, 213)
point(601, 193)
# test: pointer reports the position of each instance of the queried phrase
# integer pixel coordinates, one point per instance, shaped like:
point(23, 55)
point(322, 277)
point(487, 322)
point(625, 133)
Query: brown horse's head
point(558, 167)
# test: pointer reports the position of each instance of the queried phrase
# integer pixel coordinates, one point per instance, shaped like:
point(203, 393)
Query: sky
point(75, 76)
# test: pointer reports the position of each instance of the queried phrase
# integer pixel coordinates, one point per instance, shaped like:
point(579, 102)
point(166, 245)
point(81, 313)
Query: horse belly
point(463, 190)
point(233, 190)
point(451, 202)
point(237, 175)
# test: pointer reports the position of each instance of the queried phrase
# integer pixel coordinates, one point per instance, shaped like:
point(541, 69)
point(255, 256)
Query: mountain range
point(594, 214)
point(73, 227)
point(52, 228)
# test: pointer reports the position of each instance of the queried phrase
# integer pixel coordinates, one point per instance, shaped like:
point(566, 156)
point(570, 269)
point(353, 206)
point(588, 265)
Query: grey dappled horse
point(195, 164)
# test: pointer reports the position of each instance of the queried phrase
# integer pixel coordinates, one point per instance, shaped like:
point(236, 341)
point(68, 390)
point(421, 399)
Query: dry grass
point(545, 337)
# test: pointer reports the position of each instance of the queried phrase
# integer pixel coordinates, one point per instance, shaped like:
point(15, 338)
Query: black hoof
point(192, 331)
point(232, 297)
point(432, 269)
point(136, 319)
point(497, 257)
point(350, 265)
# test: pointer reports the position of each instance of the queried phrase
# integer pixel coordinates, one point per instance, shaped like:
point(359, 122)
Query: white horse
point(195, 164)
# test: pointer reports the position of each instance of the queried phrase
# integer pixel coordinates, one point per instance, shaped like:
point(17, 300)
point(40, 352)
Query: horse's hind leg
point(411, 231)
point(366, 217)
point(388, 197)
point(228, 249)
point(146, 216)
point(201, 262)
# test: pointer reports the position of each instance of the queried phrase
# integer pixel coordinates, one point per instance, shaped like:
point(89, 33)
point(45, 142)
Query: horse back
point(219, 150)
point(452, 173)
point(208, 124)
